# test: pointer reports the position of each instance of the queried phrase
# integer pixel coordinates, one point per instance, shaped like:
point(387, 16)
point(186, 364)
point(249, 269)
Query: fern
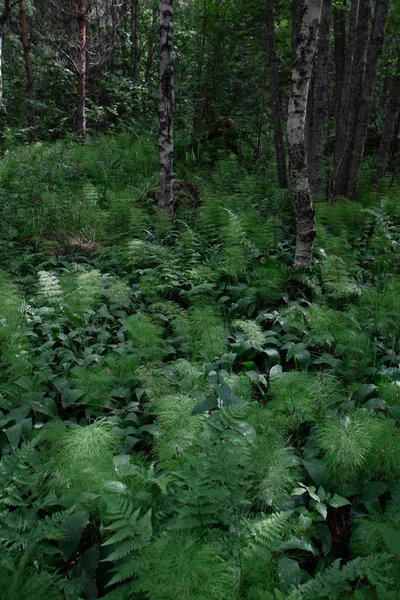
point(130, 534)
point(334, 582)
point(213, 476)
point(266, 532)
point(50, 288)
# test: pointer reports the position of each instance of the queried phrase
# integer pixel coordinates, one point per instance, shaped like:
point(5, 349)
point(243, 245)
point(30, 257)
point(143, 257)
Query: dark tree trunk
point(343, 100)
point(276, 97)
point(339, 27)
point(166, 108)
point(365, 105)
point(1, 61)
point(389, 124)
point(304, 53)
point(3, 20)
point(82, 67)
point(318, 97)
point(28, 65)
point(135, 38)
point(152, 42)
point(356, 83)
point(199, 108)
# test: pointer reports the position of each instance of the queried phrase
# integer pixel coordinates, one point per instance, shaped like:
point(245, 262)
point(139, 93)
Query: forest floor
point(182, 414)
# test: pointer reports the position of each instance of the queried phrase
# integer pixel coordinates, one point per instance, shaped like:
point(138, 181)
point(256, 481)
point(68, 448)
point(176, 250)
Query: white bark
point(301, 75)
point(166, 107)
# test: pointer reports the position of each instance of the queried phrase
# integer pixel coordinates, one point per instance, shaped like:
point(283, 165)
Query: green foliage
point(347, 442)
point(181, 415)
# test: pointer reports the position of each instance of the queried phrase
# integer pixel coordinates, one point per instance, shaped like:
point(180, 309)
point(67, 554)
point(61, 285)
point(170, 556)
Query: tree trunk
point(276, 97)
point(343, 100)
point(304, 52)
point(152, 42)
point(28, 65)
point(319, 98)
point(389, 124)
point(135, 38)
point(81, 67)
point(365, 106)
point(1, 63)
point(3, 20)
point(166, 108)
point(357, 81)
point(339, 27)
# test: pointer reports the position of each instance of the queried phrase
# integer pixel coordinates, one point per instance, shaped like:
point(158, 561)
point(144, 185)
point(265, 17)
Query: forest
point(199, 299)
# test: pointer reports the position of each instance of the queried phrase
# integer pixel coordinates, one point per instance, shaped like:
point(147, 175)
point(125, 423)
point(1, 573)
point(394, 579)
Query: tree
point(303, 57)
point(363, 52)
point(366, 99)
point(26, 44)
point(166, 106)
point(135, 38)
point(276, 96)
point(81, 68)
point(390, 122)
point(3, 20)
point(317, 103)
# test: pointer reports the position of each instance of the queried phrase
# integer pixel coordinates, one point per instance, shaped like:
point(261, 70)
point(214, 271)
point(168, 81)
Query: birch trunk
point(389, 124)
point(26, 44)
point(81, 68)
point(166, 107)
point(304, 53)
point(276, 97)
point(319, 97)
point(366, 100)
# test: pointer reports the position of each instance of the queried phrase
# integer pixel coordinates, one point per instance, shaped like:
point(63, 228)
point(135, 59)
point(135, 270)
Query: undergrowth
point(182, 415)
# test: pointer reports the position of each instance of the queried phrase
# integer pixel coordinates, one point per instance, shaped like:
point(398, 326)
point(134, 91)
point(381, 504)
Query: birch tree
point(166, 107)
point(318, 99)
point(303, 58)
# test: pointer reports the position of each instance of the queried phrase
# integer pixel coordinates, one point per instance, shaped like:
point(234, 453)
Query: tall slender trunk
point(199, 108)
point(304, 210)
point(1, 62)
point(152, 42)
point(28, 65)
point(339, 27)
point(276, 96)
point(166, 108)
point(3, 20)
point(319, 97)
point(366, 100)
point(343, 99)
point(389, 124)
point(82, 67)
point(135, 38)
point(357, 81)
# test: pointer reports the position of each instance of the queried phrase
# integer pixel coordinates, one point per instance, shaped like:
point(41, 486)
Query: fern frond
point(130, 534)
point(266, 532)
point(334, 582)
